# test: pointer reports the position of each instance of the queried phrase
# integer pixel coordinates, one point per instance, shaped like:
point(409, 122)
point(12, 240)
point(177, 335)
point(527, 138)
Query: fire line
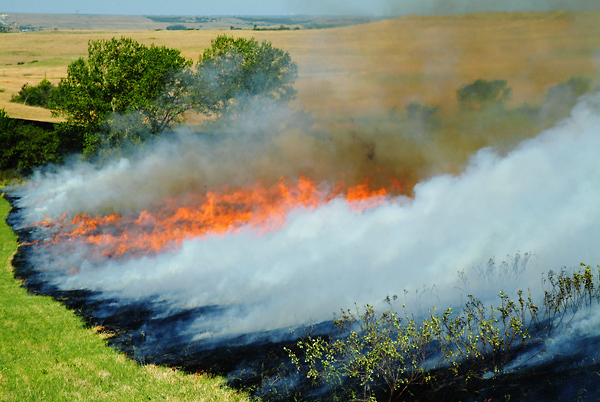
point(201, 214)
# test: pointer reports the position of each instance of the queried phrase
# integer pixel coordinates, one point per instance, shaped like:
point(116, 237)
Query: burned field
point(224, 298)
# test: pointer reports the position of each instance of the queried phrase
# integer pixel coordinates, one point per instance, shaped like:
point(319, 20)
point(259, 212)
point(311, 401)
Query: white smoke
point(541, 198)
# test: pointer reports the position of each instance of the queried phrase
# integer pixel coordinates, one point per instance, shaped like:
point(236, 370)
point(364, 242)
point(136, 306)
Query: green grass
point(46, 353)
point(54, 62)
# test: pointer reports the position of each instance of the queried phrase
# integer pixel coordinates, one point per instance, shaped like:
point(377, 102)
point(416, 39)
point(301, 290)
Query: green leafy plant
point(374, 349)
point(564, 296)
point(121, 76)
point(25, 146)
point(484, 336)
point(385, 354)
point(153, 87)
point(244, 68)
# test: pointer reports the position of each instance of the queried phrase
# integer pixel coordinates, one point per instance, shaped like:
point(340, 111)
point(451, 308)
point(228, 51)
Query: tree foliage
point(244, 68)
point(176, 27)
point(155, 86)
point(25, 146)
point(121, 76)
point(482, 93)
point(422, 115)
point(561, 98)
point(37, 95)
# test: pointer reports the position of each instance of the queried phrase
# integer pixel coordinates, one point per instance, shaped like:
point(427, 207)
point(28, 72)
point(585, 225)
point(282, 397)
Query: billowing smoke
point(278, 143)
point(535, 208)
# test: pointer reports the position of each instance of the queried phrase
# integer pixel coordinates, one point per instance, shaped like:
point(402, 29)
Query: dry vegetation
point(378, 66)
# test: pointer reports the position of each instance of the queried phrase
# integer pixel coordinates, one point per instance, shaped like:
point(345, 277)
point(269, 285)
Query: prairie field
point(354, 70)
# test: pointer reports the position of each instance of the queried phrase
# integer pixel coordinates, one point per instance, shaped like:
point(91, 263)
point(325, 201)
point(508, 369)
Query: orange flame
point(197, 215)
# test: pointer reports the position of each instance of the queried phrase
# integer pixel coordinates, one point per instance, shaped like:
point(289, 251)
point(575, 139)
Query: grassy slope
point(47, 354)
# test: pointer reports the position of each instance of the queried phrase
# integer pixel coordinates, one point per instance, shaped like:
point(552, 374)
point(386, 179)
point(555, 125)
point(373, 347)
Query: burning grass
point(47, 354)
point(224, 299)
point(199, 215)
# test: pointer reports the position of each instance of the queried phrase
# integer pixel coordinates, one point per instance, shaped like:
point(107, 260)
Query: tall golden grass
point(378, 66)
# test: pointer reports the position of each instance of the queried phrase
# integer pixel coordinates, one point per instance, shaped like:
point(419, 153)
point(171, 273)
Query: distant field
point(359, 69)
point(27, 21)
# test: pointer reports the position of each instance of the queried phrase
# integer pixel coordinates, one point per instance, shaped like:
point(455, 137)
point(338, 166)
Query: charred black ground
point(247, 361)
point(258, 362)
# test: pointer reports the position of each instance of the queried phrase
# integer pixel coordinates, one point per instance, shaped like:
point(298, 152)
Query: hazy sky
point(384, 8)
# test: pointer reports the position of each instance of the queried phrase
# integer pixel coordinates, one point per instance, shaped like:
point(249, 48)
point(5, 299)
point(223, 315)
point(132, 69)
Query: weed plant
point(388, 353)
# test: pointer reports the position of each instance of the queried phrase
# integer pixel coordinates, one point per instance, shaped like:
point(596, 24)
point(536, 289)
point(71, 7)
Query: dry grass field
point(362, 68)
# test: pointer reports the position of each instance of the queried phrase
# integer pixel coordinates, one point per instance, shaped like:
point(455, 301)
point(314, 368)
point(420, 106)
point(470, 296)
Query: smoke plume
point(534, 208)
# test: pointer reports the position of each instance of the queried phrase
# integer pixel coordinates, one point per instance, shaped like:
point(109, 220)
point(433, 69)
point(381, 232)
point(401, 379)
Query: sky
point(377, 8)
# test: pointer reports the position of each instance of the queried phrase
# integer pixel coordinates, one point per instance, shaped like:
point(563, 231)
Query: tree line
point(154, 86)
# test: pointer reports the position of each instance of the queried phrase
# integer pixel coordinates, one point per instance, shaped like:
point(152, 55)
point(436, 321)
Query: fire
point(202, 214)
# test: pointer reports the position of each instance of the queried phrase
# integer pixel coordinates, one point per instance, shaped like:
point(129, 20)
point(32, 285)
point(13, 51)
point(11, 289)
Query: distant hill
point(36, 22)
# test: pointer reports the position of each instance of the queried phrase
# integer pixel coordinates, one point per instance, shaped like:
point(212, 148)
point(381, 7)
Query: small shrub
point(39, 95)
point(25, 146)
point(376, 354)
point(483, 93)
point(178, 27)
point(565, 296)
point(384, 350)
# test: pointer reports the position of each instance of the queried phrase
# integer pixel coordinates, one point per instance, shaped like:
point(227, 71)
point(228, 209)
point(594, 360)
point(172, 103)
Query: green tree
point(39, 95)
point(177, 27)
point(126, 91)
point(234, 70)
point(8, 157)
point(122, 76)
point(561, 98)
point(483, 93)
point(422, 115)
point(6, 123)
point(25, 146)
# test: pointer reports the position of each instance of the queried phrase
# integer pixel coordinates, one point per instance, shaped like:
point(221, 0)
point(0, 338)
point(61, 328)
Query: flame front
point(202, 214)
